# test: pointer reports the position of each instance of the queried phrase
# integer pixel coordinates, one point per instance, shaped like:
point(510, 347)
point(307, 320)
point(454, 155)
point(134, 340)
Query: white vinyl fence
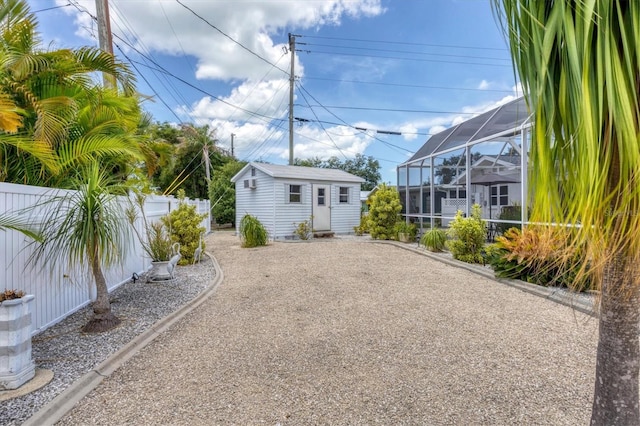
point(59, 293)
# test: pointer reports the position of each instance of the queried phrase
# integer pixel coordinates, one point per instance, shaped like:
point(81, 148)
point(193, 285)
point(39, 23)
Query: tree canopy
point(367, 167)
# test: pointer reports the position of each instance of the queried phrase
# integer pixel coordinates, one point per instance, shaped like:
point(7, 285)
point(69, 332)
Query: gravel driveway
point(346, 331)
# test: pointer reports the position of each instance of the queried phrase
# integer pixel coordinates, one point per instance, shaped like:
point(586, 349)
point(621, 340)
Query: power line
point(325, 130)
point(52, 8)
point(407, 85)
point(406, 51)
point(388, 109)
point(448, 46)
point(348, 125)
point(404, 59)
point(229, 37)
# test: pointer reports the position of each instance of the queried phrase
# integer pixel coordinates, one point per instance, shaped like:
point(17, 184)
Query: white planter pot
point(16, 365)
point(159, 271)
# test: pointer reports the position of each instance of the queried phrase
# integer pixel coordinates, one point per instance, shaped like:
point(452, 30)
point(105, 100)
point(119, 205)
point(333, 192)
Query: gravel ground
point(70, 354)
point(346, 332)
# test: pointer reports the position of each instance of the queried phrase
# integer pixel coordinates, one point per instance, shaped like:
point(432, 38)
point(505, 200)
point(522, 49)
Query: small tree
point(87, 227)
point(384, 213)
point(467, 236)
point(184, 226)
point(222, 192)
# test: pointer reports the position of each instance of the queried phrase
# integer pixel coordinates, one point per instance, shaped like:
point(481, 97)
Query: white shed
point(283, 196)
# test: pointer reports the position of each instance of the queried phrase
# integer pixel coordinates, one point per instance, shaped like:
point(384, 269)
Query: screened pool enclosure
point(482, 160)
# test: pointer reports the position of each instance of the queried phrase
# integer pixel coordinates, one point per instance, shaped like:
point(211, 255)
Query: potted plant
point(16, 365)
point(159, 248)
point(406, 232)
point(157, 244)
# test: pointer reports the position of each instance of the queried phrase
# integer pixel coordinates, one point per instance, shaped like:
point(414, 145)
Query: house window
point(344, 195)
point(500, 195)
point(321, 196)
point(253, 171)
point(295, 193)
point(246, 183)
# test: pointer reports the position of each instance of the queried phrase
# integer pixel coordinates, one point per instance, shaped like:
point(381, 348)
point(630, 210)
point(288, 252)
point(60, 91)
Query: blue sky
point(410, 66)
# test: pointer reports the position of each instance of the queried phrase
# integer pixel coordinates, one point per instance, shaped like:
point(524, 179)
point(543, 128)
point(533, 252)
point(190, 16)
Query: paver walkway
point(348, 332)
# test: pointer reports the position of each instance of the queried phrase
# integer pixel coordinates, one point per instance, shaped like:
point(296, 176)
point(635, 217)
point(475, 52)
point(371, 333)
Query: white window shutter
point(286, 193)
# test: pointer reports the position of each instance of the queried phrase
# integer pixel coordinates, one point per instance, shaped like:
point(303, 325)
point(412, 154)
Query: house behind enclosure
point(484, 160)
point(283, 196)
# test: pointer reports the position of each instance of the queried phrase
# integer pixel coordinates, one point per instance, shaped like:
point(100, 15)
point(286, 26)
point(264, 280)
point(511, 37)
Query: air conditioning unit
point(252, 184)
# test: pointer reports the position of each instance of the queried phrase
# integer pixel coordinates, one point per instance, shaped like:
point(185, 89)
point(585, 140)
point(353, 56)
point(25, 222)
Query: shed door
point(321, 207)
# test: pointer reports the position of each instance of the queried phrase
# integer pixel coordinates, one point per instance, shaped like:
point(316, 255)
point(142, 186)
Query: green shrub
point(303, 229)
point(467, 235)
point(252, 232)
point(184, 227)
point(509, 213)
point(384, 213)
point(363, 228)
point(542, 256)
point(434, 239)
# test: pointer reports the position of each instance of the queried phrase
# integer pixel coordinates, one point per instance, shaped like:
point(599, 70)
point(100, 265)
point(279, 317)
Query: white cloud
point(170, 28)
point(250, 101)
point(338, 141)
point(484, 85)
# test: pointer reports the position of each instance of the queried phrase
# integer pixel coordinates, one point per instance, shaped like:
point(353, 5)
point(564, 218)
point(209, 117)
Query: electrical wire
point(404, 59)
point(408, 43)
point(414, 52)
point(229, 37)
point(379, 83)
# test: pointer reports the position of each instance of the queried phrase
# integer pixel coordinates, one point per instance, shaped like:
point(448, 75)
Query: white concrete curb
point(563, 298)
point(64, 402)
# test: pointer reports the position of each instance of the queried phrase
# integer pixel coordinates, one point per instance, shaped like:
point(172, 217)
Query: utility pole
point(232, 135)
point(292, 79)
point(104, 36)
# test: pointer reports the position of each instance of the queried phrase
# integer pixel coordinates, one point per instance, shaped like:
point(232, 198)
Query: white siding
point(269, 202)
point(345, 216)
point(289, 213)
point(257, 202)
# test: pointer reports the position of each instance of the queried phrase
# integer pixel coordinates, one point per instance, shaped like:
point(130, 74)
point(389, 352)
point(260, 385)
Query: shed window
point(253, 171)
point(321, 196)
point(295, 193)
point(344, 195)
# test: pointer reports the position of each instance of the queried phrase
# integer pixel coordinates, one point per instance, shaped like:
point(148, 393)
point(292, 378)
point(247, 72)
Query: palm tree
point(43, 94)
point(580, 70)
point(87, 228)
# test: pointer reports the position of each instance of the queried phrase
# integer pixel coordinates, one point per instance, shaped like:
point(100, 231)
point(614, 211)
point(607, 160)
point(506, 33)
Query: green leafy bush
point(184, 226)
point(509, 213)
point(363, 228)
point(467, 236)
point(252, 232)
point(434, 239)
point(303, 229)
point(384, 213)
point(543, 256)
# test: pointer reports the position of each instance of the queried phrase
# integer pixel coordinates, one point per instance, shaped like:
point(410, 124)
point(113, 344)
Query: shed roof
point(502, 121)
point(301, 173)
